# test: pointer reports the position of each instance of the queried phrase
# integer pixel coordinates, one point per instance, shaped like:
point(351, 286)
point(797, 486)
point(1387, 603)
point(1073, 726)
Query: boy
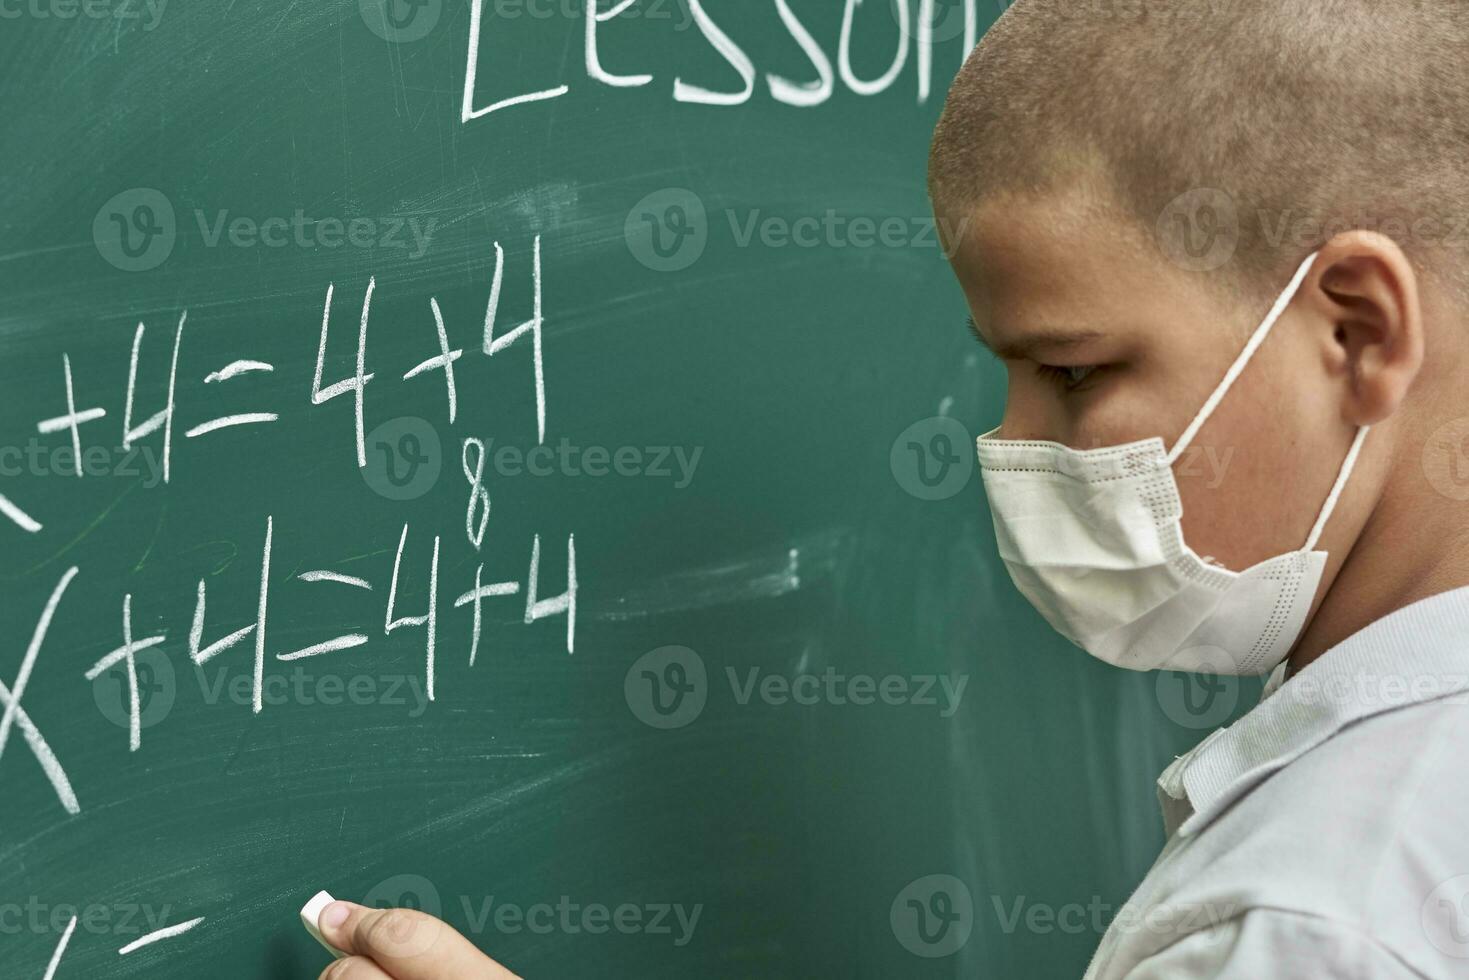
point(1230, 226)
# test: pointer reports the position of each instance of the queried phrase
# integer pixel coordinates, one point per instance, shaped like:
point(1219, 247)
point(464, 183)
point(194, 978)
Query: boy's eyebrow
point(1048, 340)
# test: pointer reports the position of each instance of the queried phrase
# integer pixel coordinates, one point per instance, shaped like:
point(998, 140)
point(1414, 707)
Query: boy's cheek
point(1204, 467)
point(1115, 412)
point(1237, 507)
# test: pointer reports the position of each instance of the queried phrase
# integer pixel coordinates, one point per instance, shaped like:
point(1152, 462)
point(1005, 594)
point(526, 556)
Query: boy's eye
point(1069, 378)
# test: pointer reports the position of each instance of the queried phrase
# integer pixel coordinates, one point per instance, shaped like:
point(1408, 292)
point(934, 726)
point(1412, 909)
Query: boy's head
point(1342, 113)
point(1134, 182)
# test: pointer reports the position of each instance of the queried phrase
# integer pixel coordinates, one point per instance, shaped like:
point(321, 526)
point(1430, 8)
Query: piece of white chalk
point(311, 915)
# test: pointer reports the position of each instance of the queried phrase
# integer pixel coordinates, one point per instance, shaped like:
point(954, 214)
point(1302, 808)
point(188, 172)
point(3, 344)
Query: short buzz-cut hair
point(1306, 117)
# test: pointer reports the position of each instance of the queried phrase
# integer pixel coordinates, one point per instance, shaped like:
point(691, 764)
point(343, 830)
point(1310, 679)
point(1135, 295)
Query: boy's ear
point(1367, 291)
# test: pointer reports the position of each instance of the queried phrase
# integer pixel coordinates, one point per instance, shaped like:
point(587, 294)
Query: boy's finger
point(353, 968)
point(406, 944)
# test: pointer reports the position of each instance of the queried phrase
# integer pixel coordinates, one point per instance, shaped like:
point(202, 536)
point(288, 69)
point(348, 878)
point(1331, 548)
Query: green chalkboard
point(665, 367)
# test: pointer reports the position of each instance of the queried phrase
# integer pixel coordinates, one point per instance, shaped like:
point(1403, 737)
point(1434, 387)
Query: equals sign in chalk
point(311, 916)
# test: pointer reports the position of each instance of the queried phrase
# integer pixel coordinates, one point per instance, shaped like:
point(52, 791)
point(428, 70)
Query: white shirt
point(1326, 833)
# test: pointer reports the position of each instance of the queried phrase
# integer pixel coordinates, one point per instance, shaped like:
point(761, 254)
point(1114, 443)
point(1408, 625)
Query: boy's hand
point(400, 944)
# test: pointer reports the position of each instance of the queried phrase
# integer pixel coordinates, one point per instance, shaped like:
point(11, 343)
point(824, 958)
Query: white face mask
point(1093, 539)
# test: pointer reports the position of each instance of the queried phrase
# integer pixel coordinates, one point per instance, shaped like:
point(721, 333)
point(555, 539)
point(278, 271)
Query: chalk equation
point(201, 636)
point(163, 422)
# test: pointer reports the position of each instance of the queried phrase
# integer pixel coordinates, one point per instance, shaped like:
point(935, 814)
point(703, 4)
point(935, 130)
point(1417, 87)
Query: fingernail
point(335, 914)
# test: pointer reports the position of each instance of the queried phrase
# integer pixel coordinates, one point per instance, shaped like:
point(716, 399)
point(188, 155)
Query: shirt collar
point(1417, 654)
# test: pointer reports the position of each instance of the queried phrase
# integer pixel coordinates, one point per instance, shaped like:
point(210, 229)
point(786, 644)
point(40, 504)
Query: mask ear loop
point(1335, 495)
point(1232, 375)
point(1240, 362)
